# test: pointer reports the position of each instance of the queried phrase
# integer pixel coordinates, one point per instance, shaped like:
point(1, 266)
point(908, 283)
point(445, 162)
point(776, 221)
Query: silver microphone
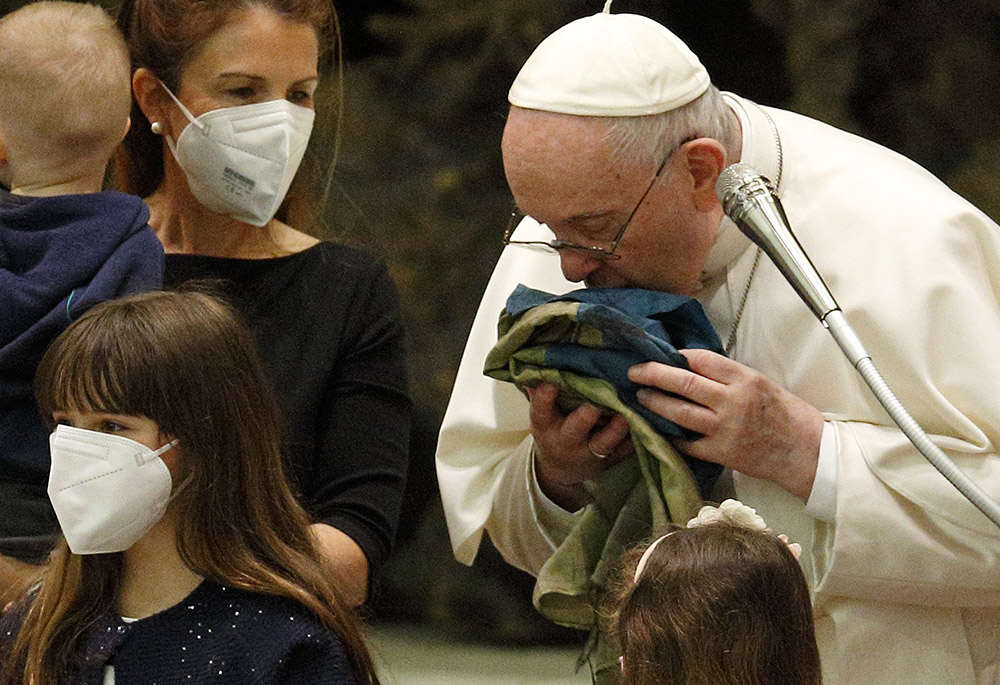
point(750, 201)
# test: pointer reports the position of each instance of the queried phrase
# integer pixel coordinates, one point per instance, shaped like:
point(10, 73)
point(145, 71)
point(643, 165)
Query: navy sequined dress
point(217, 635)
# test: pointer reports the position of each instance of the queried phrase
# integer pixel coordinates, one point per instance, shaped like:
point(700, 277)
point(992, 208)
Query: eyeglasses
point(589, 250)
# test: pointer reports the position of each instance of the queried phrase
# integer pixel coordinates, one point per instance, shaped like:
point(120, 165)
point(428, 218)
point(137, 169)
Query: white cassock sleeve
point(486, 433)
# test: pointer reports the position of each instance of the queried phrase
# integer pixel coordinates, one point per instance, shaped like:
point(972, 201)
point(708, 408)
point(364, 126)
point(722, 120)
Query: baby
point(64, 244)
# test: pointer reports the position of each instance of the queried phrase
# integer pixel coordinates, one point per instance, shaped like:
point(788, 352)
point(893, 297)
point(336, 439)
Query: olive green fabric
point(629, 501)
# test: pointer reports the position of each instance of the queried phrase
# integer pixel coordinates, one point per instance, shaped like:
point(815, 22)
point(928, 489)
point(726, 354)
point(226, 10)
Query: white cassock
point(905, 572)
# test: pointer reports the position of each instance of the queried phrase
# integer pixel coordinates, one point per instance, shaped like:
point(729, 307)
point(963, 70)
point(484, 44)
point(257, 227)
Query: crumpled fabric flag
point(584, 343)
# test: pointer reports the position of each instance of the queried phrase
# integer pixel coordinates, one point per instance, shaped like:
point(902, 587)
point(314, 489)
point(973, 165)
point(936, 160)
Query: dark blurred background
point(419, 182)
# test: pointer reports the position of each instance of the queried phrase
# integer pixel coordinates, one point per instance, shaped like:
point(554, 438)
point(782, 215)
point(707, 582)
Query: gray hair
point(644, 140)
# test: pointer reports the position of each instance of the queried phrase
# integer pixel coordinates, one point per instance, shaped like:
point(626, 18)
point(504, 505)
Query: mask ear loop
point(184, 483)
point(155, 454)
point(186, 112)
point(180, 488)
point(160, 450)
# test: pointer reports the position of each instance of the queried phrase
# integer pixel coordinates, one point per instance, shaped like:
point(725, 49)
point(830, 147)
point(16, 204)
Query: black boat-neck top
point(328, 328)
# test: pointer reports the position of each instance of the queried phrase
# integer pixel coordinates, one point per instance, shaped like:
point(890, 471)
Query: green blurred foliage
point(420, 177)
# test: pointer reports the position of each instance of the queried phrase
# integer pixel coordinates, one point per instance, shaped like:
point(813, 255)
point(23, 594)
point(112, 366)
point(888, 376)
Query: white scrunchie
point(731, 511)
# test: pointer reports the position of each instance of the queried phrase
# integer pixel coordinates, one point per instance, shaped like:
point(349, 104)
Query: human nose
point(577, 265)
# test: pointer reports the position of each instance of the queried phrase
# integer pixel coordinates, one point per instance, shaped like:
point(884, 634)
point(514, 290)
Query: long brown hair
point(164, 35)
point(185, 361)
point(716, 605)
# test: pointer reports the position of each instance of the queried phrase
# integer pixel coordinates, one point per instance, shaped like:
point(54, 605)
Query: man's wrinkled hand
point(573, 448)
point(747, 421)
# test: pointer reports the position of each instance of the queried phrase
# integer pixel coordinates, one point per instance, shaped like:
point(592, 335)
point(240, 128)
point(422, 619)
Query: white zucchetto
point(609, 65)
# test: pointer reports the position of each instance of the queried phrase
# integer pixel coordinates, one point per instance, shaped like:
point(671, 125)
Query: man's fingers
point(610, 440)
point(696, 388)
point(574, 443)
point(580, 422)
point(685, 414)
point(543, 413)
point(699, 449)
point(714, 366)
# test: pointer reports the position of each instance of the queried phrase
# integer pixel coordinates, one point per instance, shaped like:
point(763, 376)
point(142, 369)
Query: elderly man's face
point(560, 172)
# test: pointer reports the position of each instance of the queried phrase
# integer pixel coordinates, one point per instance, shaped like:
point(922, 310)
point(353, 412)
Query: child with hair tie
point(721, 602)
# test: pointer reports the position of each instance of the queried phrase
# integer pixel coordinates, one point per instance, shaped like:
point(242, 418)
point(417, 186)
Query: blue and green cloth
point(584, 342)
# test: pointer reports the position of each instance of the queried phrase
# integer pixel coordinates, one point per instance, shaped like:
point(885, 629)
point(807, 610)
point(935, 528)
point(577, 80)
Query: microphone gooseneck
point(750, 201)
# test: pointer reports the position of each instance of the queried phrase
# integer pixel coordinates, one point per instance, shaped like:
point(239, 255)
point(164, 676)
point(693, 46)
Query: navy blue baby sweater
point(59, 256)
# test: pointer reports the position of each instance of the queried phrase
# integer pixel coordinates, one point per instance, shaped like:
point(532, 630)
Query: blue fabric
point(637, 326)
point(599, 334)
point(58, 257)
point(584, 343)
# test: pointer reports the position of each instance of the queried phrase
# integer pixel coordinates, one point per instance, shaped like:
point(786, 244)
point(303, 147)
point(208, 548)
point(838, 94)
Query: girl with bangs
point(186, 557)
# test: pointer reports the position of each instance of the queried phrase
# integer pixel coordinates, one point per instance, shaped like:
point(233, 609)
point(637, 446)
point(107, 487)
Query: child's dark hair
point(716, 605)
point(185, 361)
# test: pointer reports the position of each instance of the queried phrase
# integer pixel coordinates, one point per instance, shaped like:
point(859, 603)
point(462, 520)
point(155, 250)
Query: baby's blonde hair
point(66, 86)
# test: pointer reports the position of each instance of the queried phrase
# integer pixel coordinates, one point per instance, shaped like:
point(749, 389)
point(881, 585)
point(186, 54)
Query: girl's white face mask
point(107, 490)
point(240, 161)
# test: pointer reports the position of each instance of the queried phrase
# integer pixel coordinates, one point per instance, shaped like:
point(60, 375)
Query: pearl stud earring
point(156, 127)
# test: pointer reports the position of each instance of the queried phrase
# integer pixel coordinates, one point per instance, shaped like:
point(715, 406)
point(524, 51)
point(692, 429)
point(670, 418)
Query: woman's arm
point(344, 561)
point(358, 473)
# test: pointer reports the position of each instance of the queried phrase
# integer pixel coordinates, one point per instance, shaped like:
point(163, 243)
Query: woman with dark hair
point(225, 97)
point(185, 557)
point(722, 602)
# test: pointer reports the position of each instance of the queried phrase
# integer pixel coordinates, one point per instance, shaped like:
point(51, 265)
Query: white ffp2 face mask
point(240, 161)
point(107, 490)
